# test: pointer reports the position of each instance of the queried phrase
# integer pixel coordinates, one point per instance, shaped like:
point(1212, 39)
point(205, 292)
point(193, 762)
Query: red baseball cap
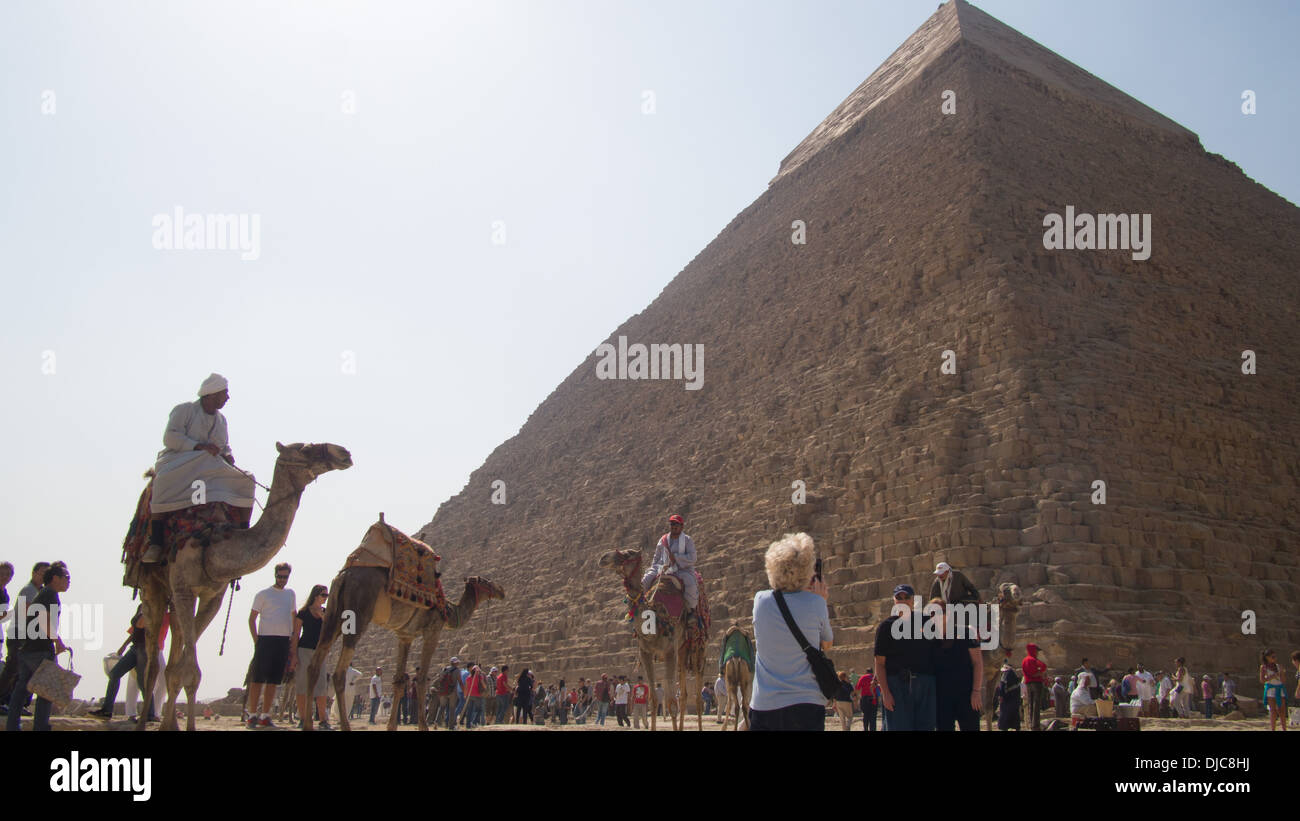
point(676, 520)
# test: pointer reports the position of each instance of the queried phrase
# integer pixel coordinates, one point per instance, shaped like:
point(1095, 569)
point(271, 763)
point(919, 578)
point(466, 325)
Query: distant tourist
point(1147, 691)
point(1007, 698)
point(1270, 675)
point(1035, 683)
point(622, 691)
point(376, 692)
point(786, 694)
point(866, 690)
point(270, 621)
point(601, 692)
point(524, 698)
point(1181, 699)
point(502, 687)
point(844, 702)
point(1207, 693)
point(1061, 698)
point(659, 699)
point(720, 695)
point(640, 703)
point(448, 690)
point(1081, 701)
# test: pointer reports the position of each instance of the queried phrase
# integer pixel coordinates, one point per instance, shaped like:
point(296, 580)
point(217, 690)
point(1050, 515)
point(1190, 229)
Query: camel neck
point(248, 551)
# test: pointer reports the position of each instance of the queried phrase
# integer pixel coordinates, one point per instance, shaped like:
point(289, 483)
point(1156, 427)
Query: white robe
point(179, 465)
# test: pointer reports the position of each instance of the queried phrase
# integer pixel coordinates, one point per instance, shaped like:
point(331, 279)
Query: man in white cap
point(951, 586)
point(196, 449)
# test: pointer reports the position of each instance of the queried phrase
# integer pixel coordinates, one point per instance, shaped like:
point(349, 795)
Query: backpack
point(447, 683)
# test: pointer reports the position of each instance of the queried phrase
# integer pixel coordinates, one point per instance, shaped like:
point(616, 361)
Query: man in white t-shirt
point(376, 692)
point(271, 623)
point(621, 693)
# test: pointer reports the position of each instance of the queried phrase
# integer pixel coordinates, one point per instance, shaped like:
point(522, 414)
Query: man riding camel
point(196, 465)
point(675, 554)
point(952, 586)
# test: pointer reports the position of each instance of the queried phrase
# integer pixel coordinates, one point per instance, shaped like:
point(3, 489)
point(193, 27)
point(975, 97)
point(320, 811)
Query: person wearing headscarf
point(196, 465)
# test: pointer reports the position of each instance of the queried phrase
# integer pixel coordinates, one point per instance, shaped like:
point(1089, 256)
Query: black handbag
point(824, 670)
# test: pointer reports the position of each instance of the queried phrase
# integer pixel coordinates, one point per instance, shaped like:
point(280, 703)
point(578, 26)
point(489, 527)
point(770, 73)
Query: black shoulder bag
point(827, 679)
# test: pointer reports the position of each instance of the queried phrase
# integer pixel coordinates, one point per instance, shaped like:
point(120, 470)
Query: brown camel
point(195, 582)
point(663, 637)
point(361, 592)
point(1008, 601)
point(739, 677)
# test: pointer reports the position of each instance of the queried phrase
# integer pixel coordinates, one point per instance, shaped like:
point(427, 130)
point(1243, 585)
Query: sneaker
point(266, 722)
point(100, 713)
point(324, 727)
point(152, 720)
point(253, 723)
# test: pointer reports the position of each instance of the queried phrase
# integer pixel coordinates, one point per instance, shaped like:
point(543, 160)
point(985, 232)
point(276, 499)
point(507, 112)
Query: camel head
point(1009, 597)
point(310, 460)
point(626, 563)
point(485, 589)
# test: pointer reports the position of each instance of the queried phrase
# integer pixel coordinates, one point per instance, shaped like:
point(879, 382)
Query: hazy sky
point(378, 143)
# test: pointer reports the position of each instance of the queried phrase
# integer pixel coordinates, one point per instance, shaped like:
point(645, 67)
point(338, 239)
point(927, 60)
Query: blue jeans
point(460, 705)
point(914, 706)
point(123, 666)
point(503, 707)
point(604, 711)
point(27, 664)
point(374, 709)
point(474, 713)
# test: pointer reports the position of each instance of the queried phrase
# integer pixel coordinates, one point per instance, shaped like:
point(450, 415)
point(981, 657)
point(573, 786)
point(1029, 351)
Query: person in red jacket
point(503, 695)
point(866, 690)
point(1035, 682)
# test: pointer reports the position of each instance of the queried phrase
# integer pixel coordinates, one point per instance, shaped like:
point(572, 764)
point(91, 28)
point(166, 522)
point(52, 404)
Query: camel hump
point(412, 565)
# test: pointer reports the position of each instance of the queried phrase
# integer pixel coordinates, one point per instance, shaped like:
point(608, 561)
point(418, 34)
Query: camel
point(739, 677)
point(667, 641)
point(195, 582)
point(362, 592)
point(1008, 601)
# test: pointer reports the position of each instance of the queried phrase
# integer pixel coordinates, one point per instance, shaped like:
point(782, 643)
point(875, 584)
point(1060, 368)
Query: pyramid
point(924, 234)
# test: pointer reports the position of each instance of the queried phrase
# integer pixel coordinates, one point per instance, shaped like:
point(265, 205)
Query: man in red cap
point(675, 554)
point(1035, 678)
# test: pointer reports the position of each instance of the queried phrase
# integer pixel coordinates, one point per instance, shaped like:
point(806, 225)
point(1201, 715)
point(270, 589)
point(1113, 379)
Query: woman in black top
point(306, 634)
point(524, 697)
point(958, 671)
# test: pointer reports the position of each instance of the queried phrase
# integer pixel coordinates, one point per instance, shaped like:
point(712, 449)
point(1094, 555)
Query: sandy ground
point(230, 723)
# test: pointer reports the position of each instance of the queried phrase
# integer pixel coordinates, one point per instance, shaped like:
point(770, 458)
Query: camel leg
point(427, 649)
point(182, 626)
point(670, 677)
point(699, 699)
point(399, 680)
point(747, 687)
point(154, 602)
point(207, 609)
point(648, 664)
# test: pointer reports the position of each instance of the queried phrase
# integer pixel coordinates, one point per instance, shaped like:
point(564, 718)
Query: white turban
point(216, 383)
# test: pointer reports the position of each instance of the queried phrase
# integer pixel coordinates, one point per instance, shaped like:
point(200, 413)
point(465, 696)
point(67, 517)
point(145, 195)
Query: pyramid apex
point(960, 22)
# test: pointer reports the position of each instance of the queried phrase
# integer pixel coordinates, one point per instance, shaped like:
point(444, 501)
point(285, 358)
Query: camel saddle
point(206, 523)
point(736, 644)
point(668, 593)
point(412, 565)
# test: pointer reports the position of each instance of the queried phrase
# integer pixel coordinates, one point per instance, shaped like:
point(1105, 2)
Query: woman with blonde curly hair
point(786, 695)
